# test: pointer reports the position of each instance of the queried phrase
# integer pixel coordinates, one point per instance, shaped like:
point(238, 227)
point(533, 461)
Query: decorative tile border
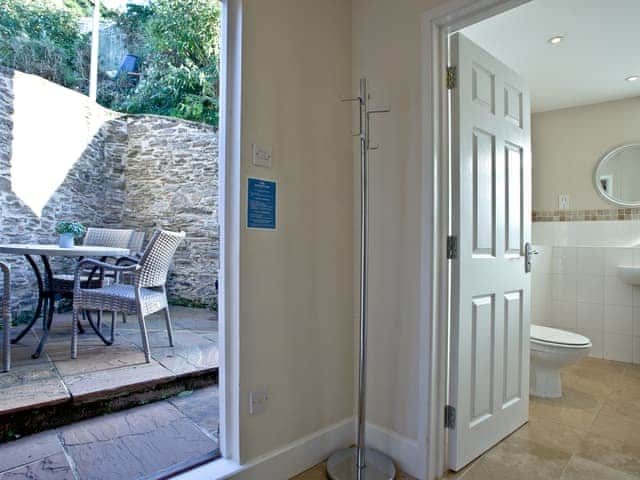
point(586, 215)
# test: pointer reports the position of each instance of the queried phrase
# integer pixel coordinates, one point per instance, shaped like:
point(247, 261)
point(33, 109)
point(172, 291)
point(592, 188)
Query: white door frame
point(230, 207)
point(437, 24)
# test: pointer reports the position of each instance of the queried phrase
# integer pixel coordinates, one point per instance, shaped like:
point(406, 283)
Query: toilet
point(552, 349)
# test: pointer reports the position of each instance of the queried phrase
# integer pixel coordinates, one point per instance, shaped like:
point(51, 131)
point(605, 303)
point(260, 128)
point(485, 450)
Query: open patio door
point(491, 218)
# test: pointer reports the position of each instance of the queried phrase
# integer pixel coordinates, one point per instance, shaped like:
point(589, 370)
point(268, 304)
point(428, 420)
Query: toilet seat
point(554, 336)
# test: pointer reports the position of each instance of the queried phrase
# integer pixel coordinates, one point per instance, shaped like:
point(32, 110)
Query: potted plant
point(68, 231)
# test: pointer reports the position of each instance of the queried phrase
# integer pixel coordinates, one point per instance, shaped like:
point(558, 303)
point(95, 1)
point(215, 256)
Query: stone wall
point(64, 157)
point(171, 182)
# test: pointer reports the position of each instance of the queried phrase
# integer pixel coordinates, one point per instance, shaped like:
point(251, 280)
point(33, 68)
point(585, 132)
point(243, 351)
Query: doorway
point(574, 269)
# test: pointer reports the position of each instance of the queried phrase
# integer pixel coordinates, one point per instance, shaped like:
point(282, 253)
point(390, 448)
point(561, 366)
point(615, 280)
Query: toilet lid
point(560, 337)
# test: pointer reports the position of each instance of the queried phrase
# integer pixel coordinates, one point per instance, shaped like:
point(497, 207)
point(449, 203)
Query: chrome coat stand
point(361, 463)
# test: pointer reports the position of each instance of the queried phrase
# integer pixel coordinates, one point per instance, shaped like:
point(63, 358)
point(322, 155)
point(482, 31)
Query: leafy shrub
point(38, 38)
point(178, 44)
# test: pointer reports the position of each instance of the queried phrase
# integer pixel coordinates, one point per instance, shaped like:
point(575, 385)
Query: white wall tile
point(618, 319)
point(541, 263)
point(636, 296)
point(561, 233)
point(542, 233)
point(563, 314)
point(590, 288)
point(564, 287)
point(590, 260)
point(616, 292)
point(636, 321)
point(590, 316)
point(618, 347)
point(636, 349)
point(597, 341)
point(563, 260)
point(615, 257)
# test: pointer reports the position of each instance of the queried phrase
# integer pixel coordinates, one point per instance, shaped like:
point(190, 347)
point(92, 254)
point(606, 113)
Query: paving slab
point(31, 387)
point(135, 443)
point(28, 450)
point(103, 384)
point(191, 359)
point(95, 359)
point(54, 467)
point(201, 406)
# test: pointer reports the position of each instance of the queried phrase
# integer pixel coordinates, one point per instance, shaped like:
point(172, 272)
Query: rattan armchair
point(95, 237)
point(147, 295)
point(136, 244)
point(5, 311)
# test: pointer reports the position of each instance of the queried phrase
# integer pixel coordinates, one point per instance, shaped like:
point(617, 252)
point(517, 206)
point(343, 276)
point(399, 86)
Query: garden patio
point(105, 378)
point(107, 170)
point(106, 123)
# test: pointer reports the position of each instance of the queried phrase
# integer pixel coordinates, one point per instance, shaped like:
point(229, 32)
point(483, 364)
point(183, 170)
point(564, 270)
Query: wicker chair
point(95, 237)
point(135, 253)
point(5, 311)
point(136, 244)
point(147, 295)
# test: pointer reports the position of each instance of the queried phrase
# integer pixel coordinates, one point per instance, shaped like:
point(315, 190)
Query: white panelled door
point(491, 218)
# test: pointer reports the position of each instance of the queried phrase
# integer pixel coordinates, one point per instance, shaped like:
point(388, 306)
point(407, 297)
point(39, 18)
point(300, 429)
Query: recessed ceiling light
point(632, 78)
point(556, 39)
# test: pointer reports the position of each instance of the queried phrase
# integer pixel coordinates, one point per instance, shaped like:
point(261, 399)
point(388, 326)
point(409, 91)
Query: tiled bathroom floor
point(591, 433)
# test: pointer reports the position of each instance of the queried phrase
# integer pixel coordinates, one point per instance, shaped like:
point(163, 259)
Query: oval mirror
point(617, 176)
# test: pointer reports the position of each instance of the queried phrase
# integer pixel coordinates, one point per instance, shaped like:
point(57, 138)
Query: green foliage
point(81, 8)
point(75, 228)
point(38, 38)
point(209, 304)
point(178, 44)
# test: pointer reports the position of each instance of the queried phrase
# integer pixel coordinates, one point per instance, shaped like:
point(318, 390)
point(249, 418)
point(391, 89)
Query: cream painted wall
point(567, 145)
point(387, 49)
point(296, 285)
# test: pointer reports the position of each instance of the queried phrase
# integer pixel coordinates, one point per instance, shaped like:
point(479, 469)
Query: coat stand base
point(342, 466)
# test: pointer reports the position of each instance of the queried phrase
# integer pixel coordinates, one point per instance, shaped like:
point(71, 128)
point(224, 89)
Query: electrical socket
point(563, 202)
point(258, 401)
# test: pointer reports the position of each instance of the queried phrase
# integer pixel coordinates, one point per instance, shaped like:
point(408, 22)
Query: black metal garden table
point(47, 292)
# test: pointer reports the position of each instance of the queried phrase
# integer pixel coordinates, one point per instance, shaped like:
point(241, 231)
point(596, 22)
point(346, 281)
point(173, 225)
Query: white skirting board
point(315, 448)
point(300, 455)
point(285, 462)
point(406, 452)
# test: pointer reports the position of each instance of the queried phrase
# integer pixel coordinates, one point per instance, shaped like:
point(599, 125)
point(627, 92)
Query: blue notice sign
point(261, 204)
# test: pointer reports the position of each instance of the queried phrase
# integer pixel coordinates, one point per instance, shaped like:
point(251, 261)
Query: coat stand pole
point(360, 462)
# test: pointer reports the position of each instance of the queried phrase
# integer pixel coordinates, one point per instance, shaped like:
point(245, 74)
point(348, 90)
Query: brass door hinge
point(449, 417)
point(451, 77)
point(452, 247)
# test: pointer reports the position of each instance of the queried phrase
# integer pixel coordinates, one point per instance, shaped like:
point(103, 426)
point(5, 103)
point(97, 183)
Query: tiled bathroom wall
point(575, 287)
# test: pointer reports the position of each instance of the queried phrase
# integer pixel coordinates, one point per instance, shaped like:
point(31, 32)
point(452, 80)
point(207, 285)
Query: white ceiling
point(601, 48)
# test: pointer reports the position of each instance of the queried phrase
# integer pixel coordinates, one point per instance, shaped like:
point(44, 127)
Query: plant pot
point(66, 240)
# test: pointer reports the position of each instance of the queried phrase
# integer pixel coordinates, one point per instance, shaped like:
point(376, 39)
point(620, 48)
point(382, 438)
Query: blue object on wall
point(130, 69)
point(261, 204)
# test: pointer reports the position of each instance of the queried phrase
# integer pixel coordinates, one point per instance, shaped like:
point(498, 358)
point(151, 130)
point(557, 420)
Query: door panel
point(491, 216)
point(484, 161)
point(514, 205)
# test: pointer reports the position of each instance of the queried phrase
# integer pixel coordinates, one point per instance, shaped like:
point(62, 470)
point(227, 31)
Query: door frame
point(230, 133)
point(437, 24)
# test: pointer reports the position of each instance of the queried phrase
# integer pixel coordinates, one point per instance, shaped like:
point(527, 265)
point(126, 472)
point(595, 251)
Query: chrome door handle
point(528, 251)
